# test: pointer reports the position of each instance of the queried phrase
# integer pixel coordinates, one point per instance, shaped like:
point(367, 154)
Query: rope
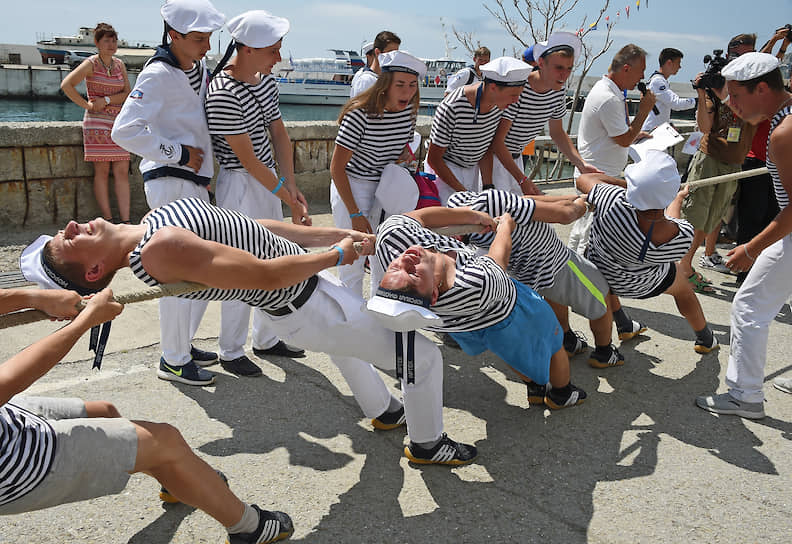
point(726, 177)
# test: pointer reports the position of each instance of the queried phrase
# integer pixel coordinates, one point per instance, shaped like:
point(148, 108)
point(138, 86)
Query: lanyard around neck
point(478, 102)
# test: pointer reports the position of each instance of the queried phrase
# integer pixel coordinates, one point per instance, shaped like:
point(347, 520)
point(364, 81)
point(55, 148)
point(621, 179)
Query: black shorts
point(664, 285)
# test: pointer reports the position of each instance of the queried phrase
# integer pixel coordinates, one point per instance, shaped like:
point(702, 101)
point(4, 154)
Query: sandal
point(700, 283)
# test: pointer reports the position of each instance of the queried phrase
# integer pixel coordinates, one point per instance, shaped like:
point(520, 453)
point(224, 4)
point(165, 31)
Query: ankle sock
point(704, 336)
point(603, 350)
point(248, 523)
point(622, 320)
point(562, 392)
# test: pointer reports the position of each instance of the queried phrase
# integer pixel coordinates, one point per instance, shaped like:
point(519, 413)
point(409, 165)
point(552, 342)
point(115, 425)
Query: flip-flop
point(700, 283)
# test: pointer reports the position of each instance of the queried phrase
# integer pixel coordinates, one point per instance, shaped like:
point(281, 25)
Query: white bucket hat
point(257, 28)
point(192, 16)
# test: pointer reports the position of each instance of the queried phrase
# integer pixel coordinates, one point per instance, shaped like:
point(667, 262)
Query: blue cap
point(528, 54)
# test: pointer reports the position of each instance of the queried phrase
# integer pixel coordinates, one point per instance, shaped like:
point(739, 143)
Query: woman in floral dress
point(107, 87)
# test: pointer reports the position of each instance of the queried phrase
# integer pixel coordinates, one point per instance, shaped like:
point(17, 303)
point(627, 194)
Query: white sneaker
point(714, 262)
point(783, 384)
point(726, 404)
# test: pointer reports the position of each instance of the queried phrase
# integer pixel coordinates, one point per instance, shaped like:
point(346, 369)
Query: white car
point(75, 58)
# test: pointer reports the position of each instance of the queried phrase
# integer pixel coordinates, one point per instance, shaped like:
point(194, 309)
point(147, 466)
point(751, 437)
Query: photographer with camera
point(784, 35)
point(725, 143)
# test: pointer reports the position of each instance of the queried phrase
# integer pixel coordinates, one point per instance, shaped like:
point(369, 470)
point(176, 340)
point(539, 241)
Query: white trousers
point(333, 321)
point(179, 318)
point(469, 177)
point(238, 190)
point(765, 290)
point(363, 191)
point(502, 179)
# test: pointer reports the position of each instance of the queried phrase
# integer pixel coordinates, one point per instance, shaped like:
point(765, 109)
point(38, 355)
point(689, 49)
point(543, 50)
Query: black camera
point(712, 78)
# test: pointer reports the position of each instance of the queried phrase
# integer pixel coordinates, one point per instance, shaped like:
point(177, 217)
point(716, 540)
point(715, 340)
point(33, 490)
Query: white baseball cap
point(653, 182)
point(506, 71)
point(257, 28)
point(192, 16)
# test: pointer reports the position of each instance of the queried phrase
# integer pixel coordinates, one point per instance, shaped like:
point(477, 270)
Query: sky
point(696, 27)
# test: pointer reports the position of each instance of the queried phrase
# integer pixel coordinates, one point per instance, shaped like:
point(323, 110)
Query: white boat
point(55, 49)
point(327, 81)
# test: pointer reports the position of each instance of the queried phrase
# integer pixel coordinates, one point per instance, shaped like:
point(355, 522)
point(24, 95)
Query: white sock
point(248, 523)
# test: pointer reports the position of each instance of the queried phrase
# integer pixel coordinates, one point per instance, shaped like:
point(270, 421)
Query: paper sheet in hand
point(663, 137)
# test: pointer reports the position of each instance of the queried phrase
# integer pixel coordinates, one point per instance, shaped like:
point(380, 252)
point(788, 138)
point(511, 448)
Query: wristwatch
point(107, 100)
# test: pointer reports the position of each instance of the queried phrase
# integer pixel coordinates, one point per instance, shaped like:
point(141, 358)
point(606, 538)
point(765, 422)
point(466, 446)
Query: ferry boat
point(327, 81)
point(56, 49)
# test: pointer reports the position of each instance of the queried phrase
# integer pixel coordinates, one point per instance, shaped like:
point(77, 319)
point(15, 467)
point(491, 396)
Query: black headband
point(505, 83)
point(556, 49)
point(401, 296)
point(63, 282)
point(391, 68)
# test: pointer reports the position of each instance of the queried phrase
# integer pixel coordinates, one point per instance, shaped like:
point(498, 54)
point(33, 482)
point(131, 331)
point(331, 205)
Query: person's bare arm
point(24, 368)
point(281, 146)
point(242, 147)
point(705, 109)
point(58, 303)
point(744, 255)
point(586, 182)
point(501, 246)
point(435, 159)
point(313, 236)
point(438, 216)
point(559, 211)
point(74, 78)
point(174, 255)
point(338, 164)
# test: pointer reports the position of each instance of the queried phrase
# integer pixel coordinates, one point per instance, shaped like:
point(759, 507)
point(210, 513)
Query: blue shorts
point(525, 340)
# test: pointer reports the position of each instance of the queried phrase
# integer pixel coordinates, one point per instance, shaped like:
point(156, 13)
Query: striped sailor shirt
point(615, 243)
point(374, 141)
point(465, 135)
point(229, 228)
point(781, 195)
point(194, 76)
point(537, 252)
point(27, 448)
point(235, 107)
point(482, 294)
point(529, 115)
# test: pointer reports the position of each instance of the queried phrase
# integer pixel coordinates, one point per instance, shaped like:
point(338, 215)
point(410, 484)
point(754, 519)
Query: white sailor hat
point(749, 66)
point(558, 41)
point(401, 312)
point(257, 28)
point(396, 191)
point(402, 61)
point(192, 16)
point(35, 269)
point(506, 71)
point(652, 183)
point(368, 48)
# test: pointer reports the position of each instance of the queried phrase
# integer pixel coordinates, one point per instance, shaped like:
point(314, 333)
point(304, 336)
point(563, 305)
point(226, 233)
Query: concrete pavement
point(638, 462)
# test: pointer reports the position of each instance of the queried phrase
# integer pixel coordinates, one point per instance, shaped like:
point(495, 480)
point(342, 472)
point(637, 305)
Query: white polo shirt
point(604, 117)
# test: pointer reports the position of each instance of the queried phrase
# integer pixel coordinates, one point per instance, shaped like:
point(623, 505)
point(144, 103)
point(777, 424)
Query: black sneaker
point(574, 343)
point(241, 366)
point(281, 349)
point(389, 420)
point(165, 495)
point(556, 401)
point(191, 373)
point(634, 330)
point(201, 357)
point(597, 359)
point(445, 452)
point(536, 392)
point(272, 527)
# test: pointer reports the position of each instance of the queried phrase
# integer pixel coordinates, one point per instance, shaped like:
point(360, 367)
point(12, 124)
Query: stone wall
point(45, 182)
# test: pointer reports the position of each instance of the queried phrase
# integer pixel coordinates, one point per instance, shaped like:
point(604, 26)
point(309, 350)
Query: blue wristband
point(279, 185)
point(340, 255)
point(356, 214)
